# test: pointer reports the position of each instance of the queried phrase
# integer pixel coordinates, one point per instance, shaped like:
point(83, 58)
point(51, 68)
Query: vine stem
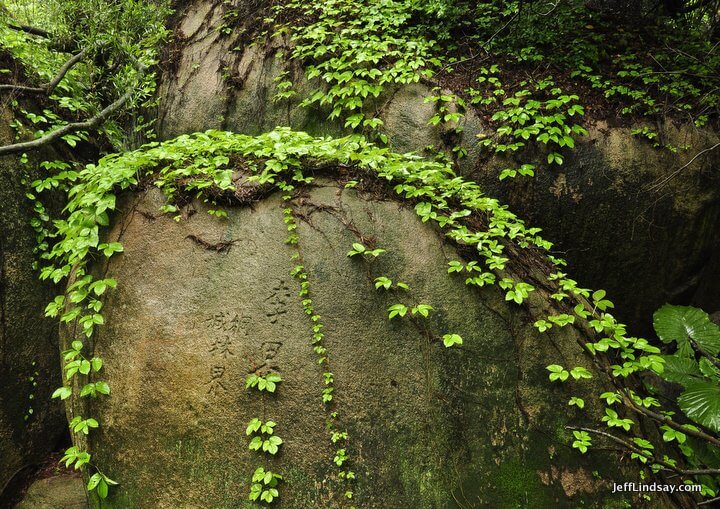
point(664, 419)
point(713, 360)
point(627, 401)
point(644, 453)
point(290, 219)
point(706, 502)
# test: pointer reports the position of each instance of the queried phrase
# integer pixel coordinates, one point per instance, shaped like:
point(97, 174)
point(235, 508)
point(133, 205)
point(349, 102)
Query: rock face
point(65, 491)
point(626, 222)
point(646, 244)
point(476, 425)
point(28, 341)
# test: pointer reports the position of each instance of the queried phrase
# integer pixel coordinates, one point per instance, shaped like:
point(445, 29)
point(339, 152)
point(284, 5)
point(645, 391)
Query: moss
point(518, 485)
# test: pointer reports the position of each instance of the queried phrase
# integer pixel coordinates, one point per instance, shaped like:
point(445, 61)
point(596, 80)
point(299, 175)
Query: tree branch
point(77, 126)
point(706, 502)
point(49, 87)
point(66, 46)
point(30, 30)
point(713, 360)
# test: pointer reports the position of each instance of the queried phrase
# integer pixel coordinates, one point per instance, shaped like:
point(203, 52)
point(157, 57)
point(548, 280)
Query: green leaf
point(579, 402)
point(682, 323)
point(580, 372)
point(680, 369)
point(102, 387)
point(94, 481)
point(383, 282)
point(557, 372)
point(708, 368)
point(84, 367)
point(253, 426)
point(422, 309)
point(397, 309)
point(102, 489)
point(452, 339)
point(701, 403)
point(62, 393)
point(96, 363)
point(357, 248)
point(255, 443)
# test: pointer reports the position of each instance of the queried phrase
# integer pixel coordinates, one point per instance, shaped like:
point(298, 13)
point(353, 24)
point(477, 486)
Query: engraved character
point(222, 346)
point(216, 383)
point(277, 300)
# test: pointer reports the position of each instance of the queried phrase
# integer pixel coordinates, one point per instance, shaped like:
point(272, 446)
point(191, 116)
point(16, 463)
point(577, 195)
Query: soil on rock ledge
point(645, 244)
point(476, 425)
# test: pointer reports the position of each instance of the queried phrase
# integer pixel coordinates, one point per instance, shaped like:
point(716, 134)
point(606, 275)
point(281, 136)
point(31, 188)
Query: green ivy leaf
point(452, 339)
point(578, 402)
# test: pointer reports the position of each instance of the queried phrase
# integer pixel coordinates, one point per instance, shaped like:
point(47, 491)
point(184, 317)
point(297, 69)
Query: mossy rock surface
point(202, 302)
point(28, 341)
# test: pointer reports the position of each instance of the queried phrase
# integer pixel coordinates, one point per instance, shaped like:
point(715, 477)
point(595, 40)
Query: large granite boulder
point(203, 302)
point(30, 424)
point(646, 244)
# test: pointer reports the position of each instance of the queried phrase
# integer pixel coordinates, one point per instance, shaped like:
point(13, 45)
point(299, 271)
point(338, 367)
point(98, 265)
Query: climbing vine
point(263, 439)
point(338, 437)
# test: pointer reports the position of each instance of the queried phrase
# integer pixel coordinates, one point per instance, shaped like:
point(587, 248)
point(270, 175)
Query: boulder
point(646, 244)
point(204, 302)
point(65, 491)
point(30, 424)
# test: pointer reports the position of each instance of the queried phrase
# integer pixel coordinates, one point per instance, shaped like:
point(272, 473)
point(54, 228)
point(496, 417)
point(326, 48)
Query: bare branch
point(49, 87)
point(31, 30)
point(76, 126)
point(674, 174)
point(706, 502)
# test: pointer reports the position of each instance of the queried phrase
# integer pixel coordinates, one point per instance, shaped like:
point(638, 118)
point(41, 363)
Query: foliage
point(91, 198)
point(352, 52)
point(263, 437)
point(264, 485)
point(202, 165)
point(115, 34)
point(359, 249)
point(695, 364)
point(357, 49)
point(263, 383)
